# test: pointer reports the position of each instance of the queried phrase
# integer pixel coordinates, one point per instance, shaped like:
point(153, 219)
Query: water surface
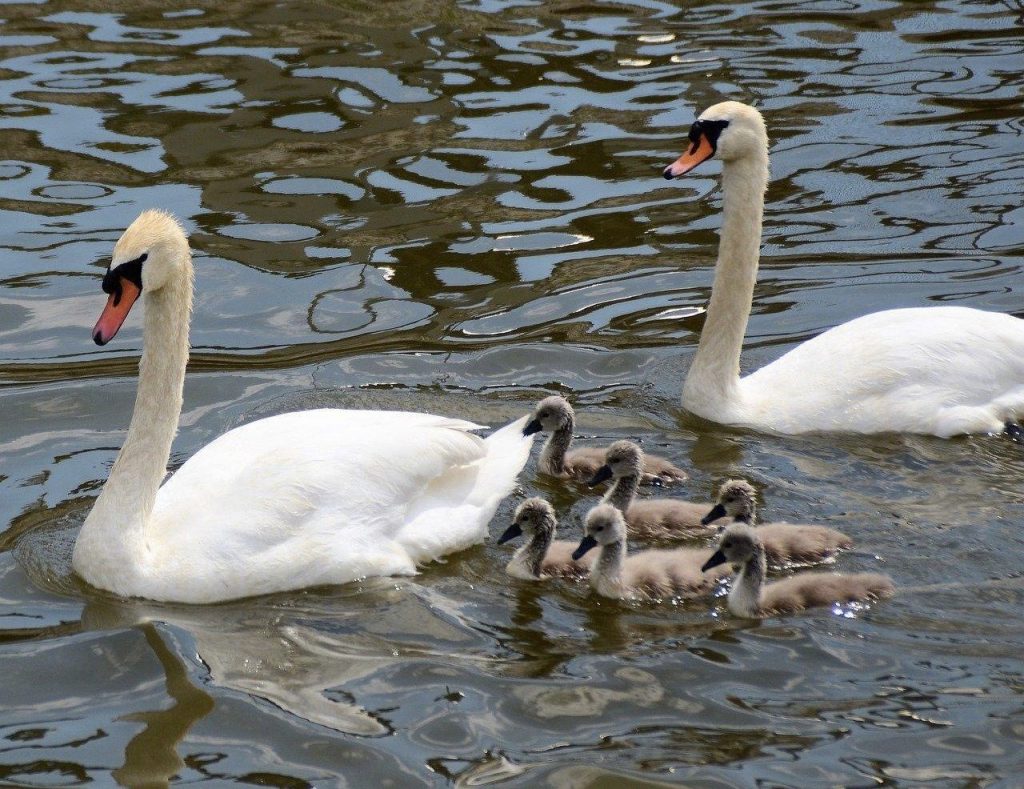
point(458, 207)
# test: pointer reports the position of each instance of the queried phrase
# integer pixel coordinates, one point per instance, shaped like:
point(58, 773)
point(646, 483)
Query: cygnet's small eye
point(544, 414)
point(727, 544)
point(599, 528)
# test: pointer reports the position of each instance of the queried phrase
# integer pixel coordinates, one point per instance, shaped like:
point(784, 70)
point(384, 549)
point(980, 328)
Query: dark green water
point(457, 207)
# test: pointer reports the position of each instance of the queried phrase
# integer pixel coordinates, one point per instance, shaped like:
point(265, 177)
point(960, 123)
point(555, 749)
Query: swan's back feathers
point(933, 370)
point(291, 467)
point(507, 452)
point(328, 496)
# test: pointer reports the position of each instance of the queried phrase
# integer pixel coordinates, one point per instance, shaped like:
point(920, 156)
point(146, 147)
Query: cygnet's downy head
point(533, 516)
point(621, 459)
point(604, 526)
point(551, 414)
point(737, 545)
point(149, 254)
point(737, 499)
point(729, 130)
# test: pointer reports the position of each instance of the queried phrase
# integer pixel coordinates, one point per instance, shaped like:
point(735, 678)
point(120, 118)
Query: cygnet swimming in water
point(554, 415)
point(787, 543)
point(646, 575)
point(657, 574)
point(646, 519)
point(740, 546)
point(542, 556)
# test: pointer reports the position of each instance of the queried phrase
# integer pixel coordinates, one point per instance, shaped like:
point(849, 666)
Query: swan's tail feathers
point(507, 452)
point(455, 510)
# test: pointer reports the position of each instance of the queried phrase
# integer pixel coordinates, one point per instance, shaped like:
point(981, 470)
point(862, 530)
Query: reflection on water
point(151, 756)
point(458, 207)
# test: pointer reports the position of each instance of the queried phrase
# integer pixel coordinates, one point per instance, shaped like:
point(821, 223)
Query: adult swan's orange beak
point(124, 284)
point(703, 144)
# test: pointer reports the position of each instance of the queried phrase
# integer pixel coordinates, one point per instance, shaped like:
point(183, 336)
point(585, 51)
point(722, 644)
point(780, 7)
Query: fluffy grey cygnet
point(646, 575)
point(785, 543)
point(554, 415)
point(542, 556)
point(646, 519)
point(740, 546)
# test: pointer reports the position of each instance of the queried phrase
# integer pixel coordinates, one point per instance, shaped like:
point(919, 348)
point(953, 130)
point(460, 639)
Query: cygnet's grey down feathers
point(740, 545)
point(784, 543)
point(646, 519)
point(542, 556)
point(646, 575)
point(810, 590)
point(554, 415)
point(790, 543)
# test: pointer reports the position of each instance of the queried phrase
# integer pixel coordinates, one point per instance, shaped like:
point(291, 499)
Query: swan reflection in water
point(297, 657)
point(303, 660)
point(300, 653)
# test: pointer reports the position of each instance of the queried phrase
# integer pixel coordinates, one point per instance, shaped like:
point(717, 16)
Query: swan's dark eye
point(727, 544)
point(131, 271)
point(710, 129)
point(599, 528)
point(544, 414)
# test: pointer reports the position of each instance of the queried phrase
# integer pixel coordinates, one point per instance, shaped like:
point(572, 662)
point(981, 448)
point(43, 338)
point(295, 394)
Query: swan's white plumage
point(325, 497)
point(301, 499)
point(934, 370)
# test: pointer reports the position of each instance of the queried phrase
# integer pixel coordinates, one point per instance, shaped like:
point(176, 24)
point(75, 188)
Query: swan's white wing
point(307, 498)
point(938, 370)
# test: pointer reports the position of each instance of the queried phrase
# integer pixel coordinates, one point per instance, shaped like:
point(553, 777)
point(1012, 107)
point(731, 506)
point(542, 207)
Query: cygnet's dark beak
point(511, 533)
point(718, 511)
point(533, 426)
point(716, 559)
point(603, 473)
point(586, 544)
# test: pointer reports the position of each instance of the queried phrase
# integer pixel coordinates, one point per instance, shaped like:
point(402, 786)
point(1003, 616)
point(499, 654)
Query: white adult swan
point(313, 497)
point(933, 370)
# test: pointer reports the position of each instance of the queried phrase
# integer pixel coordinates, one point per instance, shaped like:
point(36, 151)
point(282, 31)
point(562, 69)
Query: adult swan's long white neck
point(935, 370)
point(296, 500)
